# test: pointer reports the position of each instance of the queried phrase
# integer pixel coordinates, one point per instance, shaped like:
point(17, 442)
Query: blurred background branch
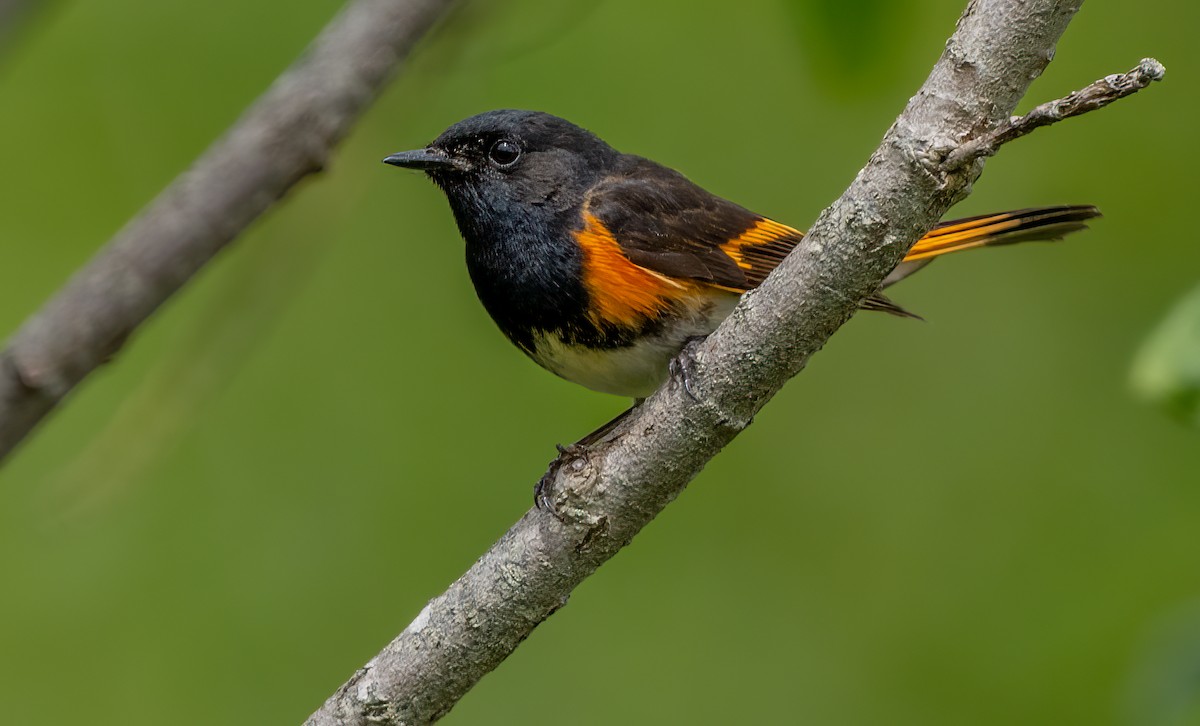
point(288, 134)
point(605, 493)
point(14, 14)
point(10, 13)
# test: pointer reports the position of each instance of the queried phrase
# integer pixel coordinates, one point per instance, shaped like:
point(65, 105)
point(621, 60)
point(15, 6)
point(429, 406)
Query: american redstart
point(601, 266)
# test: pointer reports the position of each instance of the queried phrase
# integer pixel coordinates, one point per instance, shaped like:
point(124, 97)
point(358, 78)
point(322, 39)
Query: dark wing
point(664, 223)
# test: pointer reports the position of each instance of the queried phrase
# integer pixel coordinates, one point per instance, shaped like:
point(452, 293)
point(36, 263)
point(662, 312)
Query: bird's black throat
point(525, 267)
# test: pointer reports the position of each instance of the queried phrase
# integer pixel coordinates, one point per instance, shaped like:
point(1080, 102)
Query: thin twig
point(1097, 95)
point(286, 135)
point(605, 493)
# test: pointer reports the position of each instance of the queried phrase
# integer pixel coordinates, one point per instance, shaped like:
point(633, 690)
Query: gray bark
point(604, 493)
point(286, 135)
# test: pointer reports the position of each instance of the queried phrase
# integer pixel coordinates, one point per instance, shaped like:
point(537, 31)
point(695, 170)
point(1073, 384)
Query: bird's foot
point(543, 491)
point(681, 366)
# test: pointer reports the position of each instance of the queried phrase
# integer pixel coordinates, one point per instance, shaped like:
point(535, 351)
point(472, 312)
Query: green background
point(970, 520)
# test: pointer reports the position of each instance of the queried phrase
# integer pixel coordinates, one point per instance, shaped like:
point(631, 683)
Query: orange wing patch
point(761, 248)
point(621, 292)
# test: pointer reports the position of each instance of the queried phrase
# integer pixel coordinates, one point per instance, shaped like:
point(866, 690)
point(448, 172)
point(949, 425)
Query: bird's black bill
point(423, 159)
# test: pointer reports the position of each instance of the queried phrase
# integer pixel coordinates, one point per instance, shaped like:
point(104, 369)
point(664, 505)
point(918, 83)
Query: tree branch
point(286, 135)
point(1098, 95)
point(606, 492)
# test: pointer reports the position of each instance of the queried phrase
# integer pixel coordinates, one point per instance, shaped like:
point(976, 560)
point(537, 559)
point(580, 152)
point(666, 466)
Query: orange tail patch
point(1022, 225)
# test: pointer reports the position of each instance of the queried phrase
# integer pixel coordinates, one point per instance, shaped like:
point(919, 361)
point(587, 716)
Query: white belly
point(635, 370)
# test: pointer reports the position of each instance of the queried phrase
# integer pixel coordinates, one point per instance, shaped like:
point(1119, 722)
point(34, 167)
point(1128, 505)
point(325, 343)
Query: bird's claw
point(543, 491)
point(681, 365)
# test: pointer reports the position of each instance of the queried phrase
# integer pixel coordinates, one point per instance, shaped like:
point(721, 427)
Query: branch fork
point(1097, 95)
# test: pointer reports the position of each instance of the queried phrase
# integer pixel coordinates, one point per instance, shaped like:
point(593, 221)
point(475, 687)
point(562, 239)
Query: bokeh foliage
point(964, 521)
point(1167, 369)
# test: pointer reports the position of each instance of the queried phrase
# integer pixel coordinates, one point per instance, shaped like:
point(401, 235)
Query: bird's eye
point(504, 153)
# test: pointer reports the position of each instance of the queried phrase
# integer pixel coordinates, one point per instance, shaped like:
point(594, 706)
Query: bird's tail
point(1022, 225)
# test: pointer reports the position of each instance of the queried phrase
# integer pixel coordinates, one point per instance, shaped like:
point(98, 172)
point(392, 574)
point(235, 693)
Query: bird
point(601, 266)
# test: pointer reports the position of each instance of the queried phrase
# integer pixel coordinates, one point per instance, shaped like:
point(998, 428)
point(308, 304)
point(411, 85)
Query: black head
point(512, 163)
point(516, 181)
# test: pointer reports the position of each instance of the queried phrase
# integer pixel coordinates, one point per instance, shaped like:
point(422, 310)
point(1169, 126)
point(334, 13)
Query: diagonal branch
point(288, 134)
point(606, 492)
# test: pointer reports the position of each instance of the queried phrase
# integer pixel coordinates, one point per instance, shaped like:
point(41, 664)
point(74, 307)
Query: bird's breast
point(573, 302)
point(640, 363)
